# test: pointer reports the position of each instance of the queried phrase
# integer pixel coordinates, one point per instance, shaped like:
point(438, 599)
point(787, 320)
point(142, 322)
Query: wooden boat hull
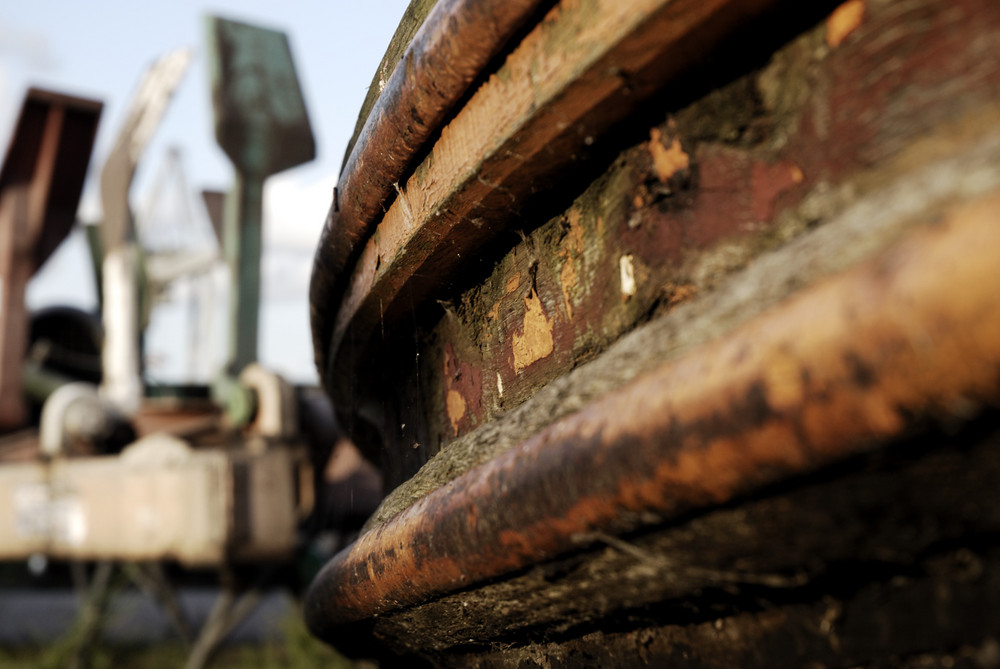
point(659, 327)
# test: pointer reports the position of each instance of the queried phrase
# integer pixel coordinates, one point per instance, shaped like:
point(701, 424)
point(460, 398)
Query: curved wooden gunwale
point(584, 67)
point(453, 45)
point(779, 396)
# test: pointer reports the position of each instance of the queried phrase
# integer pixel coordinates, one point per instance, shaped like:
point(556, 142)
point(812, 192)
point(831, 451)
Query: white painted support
point(122, 384)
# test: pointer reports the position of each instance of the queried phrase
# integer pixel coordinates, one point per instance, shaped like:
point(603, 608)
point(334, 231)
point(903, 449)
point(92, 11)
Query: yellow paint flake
point(667, 161)
point(536, 340)
point(574, 240)
point(513, 283)
point(456, 409)
point(572, 246)
point(844, 20)
point(567, 281)
point(454, 402)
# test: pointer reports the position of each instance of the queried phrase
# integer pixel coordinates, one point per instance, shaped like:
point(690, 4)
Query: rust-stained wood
point(742, 168)
point(585, 66)
point(937, 611)
point(810, 542)
point(782, 147)
point(455, 41)
point(836, 370)
point(873, 220)
point(40, 185)
point(772, 235)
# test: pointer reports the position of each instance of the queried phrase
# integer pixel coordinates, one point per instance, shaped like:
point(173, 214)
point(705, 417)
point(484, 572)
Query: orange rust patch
point(844, 20)
point(494, 311)
point(456, 409)
point(667, 161)
point(536, 341)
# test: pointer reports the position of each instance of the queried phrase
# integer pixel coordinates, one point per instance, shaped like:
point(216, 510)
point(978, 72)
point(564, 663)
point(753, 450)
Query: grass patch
point(296, 649)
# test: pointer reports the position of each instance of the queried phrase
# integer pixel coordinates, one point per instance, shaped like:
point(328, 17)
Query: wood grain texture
point(770, 155)
point(416, 91)
point(861, 223)
point(584, 67)
point(837, 370)
point(807, 544)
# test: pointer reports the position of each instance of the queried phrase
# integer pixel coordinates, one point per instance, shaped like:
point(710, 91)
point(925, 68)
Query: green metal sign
point(260, 116)
point(262, 125)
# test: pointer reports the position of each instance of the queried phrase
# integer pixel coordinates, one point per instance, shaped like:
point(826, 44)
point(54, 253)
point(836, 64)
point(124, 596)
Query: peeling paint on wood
point(569, 68)
point(667, 160)
point(872, 217)
point(456, 408)
point(570, 250)
point(843, 21)
point(535, 341)
point(463, 390)
point(778, 397)
point(778, 280)
point(772, 154)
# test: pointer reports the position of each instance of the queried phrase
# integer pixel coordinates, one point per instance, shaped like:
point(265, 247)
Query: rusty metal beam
point(840, 368)
point(40, 185)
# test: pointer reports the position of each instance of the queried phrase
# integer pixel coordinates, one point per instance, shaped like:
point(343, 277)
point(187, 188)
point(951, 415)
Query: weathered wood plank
point(769, 157)
point(418, 84)
point(808, 543)
point(861, 141)
point(954, 164)
point(836, 370)
point(585, 66)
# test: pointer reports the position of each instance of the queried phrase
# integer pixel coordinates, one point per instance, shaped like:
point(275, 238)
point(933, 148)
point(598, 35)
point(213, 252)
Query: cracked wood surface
point(584, 67)
point(836, 370)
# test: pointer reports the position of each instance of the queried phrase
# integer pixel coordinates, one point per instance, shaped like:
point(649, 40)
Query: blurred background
point(100, 49)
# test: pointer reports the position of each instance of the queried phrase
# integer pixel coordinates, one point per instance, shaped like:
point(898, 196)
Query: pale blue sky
point(100, 48)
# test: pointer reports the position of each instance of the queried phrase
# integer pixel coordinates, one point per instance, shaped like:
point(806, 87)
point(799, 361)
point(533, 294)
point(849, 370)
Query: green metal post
point(262, 125)
point(243, 214)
